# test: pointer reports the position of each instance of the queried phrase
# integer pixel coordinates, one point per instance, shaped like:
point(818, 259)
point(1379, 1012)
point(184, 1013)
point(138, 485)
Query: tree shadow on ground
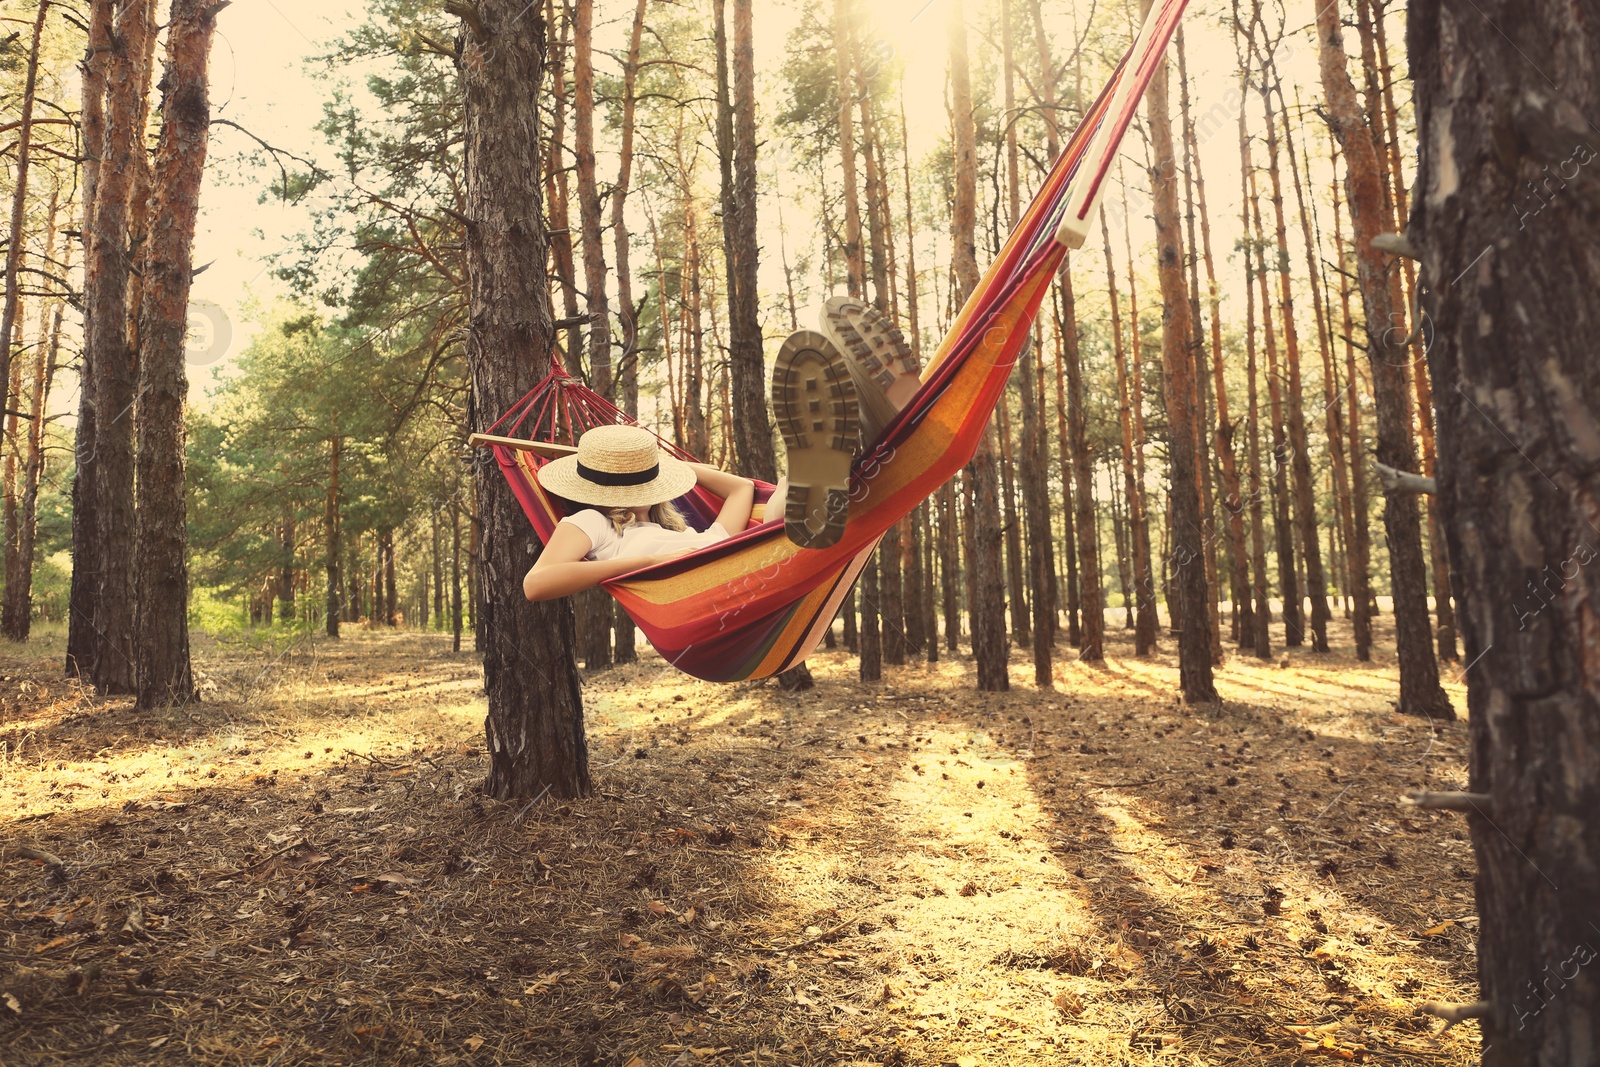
point(907, 872)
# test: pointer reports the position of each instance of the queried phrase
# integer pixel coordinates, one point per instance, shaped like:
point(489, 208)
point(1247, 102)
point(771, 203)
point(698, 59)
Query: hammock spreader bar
point(755, 604)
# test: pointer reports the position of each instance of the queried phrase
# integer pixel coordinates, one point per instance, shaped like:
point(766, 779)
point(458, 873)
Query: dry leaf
point(1068, 1002)
point(473, 1043)
point(545, 982)
point(1435, 931)
point(655, 907)
point(687, 917)
point(13, 1003)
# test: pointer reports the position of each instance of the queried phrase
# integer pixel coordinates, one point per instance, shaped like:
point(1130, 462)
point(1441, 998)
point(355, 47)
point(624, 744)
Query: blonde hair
point(665, 515)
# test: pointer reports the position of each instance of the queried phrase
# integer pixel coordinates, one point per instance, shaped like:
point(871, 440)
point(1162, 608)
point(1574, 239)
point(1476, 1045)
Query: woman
point(818, 393)
point(630, 483)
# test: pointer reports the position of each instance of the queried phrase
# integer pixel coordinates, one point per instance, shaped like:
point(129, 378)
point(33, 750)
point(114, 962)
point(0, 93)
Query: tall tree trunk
point(1420, 692)
point(1305, 510)
point(1260, 633)
point(555, 181)
point(736, 127)
point(19, 598)
point(383, 579)
point(843, 34)
point(884, 570)
point(1282, 512)
point(26, 463)
point(16, 244)
point(161, 570)
point(1147, 623)
point(1439, 558)
point(595, 610)
point(1144, 637)
point(331, 530)
point(110, 359)
point(534, 727)
point(989, 645)
point(287, 540)
point(627, 311)
point(437, 552)
point(1332, 420)
point(83, 639)
point(1223, 439)
point(1016, 565)
point(8, 510)
point(1513, 367)
point(1069, 543)
point(1177, 357)
point(1203, 359)
point(947, 567)
point(455, 574)
point(1089, 582)
point(1360, 548)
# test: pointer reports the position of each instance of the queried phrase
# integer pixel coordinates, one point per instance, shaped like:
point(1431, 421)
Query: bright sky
point(259, 81)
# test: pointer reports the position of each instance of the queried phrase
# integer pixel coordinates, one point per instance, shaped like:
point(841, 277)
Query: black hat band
point(619, 478)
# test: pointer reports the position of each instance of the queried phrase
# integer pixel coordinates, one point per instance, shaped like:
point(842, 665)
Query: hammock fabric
point(755, 605)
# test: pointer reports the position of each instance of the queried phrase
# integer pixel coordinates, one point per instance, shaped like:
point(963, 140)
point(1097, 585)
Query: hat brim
point(561, 477)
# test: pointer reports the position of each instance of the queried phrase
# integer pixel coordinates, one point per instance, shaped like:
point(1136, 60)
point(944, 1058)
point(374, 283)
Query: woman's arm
point(738, 495)
point(561, 569)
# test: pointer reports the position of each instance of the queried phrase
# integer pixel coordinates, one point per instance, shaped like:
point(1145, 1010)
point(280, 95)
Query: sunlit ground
point(907, 872)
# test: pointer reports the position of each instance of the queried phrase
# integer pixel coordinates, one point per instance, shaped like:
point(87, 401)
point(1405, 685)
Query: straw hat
point(617, 467)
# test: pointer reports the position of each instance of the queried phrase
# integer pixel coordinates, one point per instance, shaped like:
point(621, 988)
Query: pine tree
point(535, 721)
point(1420, 692)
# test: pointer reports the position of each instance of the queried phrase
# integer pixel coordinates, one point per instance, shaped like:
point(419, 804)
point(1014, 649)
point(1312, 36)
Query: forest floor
point(301, 870)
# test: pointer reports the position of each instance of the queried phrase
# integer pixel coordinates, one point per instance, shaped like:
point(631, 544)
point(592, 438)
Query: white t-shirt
point(639, 538)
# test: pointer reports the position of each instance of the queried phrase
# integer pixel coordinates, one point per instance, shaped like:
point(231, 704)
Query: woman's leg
point(773, 508)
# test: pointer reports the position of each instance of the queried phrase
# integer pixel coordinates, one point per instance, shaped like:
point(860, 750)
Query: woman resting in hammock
point(826, 402)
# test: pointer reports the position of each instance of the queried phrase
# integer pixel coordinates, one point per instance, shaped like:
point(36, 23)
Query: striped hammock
point(755, 604)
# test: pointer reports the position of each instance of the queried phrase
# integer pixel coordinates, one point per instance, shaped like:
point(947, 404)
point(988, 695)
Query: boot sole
point(814, 398)
point(874, 345)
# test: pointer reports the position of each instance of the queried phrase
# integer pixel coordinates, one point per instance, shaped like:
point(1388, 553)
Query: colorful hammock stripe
point(754, 605)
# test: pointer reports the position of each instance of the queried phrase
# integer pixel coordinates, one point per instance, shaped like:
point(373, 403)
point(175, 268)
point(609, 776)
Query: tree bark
point(455, 574)
point(1305, 510)
point(1203, 358)
point(82, 637)
point(1089, 582)
point(1420, 692)
point(989, 646)
point(1360, 548)
point(1069, 543)
point(1505, 218)
point(331, 531)
point(16, 246)
point(287, 540)
point(1144, 634)
point(595, 610)
point(1177, 356)
point(25, 465)
point(534, 728)
point(110, 358)
point(160, 566)
point(1282, 451)
point(1147, 623)
point(737, 148)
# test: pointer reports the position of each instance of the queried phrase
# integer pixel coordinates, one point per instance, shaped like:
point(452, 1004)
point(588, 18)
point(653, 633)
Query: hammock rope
point(754, 605)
